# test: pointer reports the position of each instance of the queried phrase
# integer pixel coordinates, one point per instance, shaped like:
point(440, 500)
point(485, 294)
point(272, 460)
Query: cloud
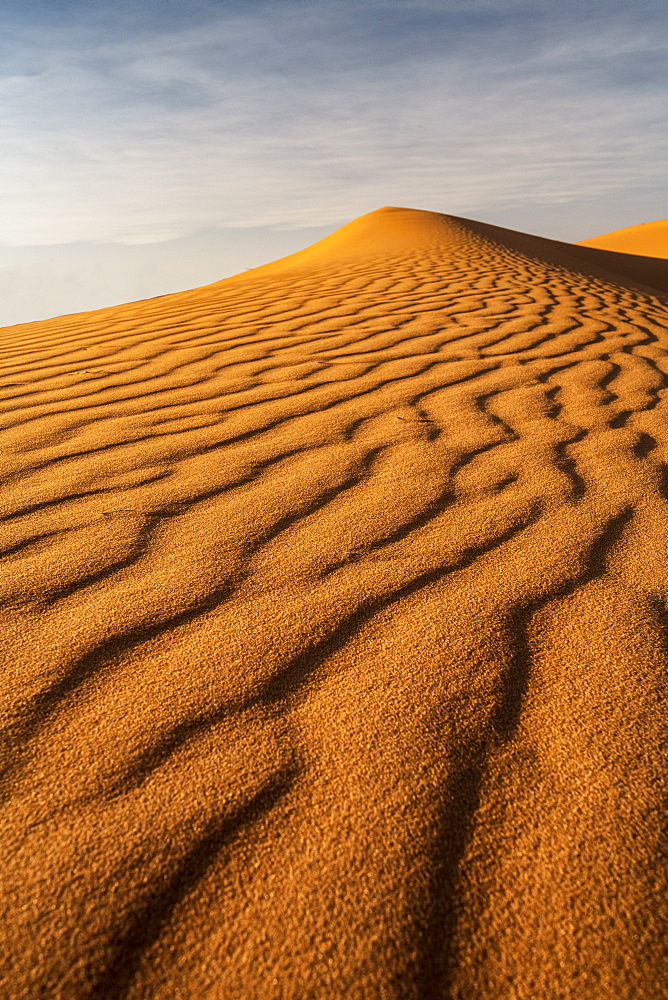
point(139, 123)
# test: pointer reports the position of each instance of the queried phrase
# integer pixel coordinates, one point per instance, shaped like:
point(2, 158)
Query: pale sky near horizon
point(155, 145)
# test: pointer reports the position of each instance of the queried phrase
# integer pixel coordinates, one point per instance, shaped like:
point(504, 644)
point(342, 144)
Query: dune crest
point(386, 230)
point(333, 629)
point(647, 240)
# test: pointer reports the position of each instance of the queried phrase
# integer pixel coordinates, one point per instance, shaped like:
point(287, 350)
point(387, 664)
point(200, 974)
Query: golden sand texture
point(334, 629)
point(648, 240)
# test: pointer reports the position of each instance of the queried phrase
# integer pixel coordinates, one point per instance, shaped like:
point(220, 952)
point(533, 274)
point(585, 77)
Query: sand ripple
point(333, 610)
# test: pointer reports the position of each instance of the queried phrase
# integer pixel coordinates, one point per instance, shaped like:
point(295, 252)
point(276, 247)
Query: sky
point(154, 145)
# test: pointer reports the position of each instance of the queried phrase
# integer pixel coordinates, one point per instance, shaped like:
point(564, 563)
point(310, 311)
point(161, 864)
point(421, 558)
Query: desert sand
point(648, 240)
point(333, 629)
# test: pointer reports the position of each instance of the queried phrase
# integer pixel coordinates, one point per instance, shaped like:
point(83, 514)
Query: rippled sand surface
point(333, 629)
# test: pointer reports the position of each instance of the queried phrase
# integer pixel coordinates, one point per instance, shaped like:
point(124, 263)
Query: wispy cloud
point(145, 122)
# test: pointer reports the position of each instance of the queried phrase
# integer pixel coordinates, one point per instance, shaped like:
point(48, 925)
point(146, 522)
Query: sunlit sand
point(647, 240)
point(334, 629)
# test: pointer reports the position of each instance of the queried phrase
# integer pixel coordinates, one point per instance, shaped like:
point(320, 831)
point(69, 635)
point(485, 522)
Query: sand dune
point(648, 240)
point(333, 610)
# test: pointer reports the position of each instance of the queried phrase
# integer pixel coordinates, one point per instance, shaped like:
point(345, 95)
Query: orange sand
point(647, 240)
point(333, 624)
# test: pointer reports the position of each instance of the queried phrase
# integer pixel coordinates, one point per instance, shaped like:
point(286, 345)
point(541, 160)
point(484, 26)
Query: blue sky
point(217, 135)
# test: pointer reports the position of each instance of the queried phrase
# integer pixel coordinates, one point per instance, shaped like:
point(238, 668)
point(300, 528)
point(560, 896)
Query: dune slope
point(647, 240)
point(333, 620)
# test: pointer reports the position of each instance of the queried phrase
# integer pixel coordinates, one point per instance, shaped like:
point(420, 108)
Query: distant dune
point(333, 629)
point(648, 240)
